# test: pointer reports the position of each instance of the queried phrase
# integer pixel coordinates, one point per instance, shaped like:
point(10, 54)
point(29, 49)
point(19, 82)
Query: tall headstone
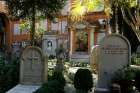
point(138, 53)
point(114, 55)
point(138, 49)
point(33, 66)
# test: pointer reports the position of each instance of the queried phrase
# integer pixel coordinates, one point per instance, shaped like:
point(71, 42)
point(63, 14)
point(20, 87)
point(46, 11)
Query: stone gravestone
point(138, 49)
point(33, 71)
point(114, 55)
point(94, 57)
point(33, 68)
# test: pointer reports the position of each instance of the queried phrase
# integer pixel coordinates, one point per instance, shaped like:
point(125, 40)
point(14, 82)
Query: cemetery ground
point(10, 74)
point(69, 71)
point(113, 70)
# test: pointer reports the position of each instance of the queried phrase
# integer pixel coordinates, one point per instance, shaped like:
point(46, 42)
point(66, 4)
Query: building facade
point(81, 36)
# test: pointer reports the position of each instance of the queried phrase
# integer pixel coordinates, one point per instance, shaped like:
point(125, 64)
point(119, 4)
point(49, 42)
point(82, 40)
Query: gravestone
point(138, 52)
point(33, 68)
point(114, 55)
point(94, 58)
point(138, 49)
point(33, 71)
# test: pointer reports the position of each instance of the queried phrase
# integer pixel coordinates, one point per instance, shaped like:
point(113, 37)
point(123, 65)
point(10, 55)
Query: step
point(24, 89)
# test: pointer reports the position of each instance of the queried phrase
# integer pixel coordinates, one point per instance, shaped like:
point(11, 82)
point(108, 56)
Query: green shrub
point(9, 75)
point(137, 80)
point(55, 85)
point(124, 77)
point(60, 77)
point(83, 81)
point(135, 59)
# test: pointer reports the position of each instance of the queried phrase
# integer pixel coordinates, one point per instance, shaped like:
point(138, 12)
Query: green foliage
point(24, 8)
point(137, 80)
point(83, 80)
point(31, 9)
point(60, 50)
point(135, 59)
point(125, 73)
point(124, 77)
point(59, 76)
point(55, 85)
point(24, 26)
point(52, 86)
point(9, 75)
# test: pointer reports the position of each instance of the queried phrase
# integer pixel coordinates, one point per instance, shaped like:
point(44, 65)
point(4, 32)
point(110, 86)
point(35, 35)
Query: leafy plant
point(124, 77)
point(59, 76)
point(9, 75)
point(31, 9)
point(137, 80)
point(83, 81)
point(135, 59)
point(52, 86)
point(55, 85)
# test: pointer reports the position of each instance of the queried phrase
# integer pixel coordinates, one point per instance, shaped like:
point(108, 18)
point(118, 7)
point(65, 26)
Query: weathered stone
point(33, 68)
point(94, 58)
point(24, 89)
point(114, 55)
point(138, 49)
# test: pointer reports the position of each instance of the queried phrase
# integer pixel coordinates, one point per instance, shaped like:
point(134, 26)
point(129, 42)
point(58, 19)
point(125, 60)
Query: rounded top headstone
point(32, 66)
point(114, 55)
point(115, 36)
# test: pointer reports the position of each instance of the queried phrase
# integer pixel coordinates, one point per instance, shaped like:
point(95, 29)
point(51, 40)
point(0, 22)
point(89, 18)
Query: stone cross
point(32, 60)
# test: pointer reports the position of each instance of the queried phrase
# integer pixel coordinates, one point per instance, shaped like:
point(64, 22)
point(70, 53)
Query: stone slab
point(24, 89)
point(33, 66)
point(114, 54)
point(79, 58)
point(101, 90)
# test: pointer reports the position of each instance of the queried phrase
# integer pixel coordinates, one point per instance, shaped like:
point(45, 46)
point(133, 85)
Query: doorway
point(2, 33)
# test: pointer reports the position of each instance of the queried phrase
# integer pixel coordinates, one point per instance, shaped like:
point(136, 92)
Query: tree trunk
point(32, 34)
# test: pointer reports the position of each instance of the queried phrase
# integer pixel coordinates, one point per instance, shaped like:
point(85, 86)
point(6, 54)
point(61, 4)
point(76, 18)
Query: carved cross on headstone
point(33, 59)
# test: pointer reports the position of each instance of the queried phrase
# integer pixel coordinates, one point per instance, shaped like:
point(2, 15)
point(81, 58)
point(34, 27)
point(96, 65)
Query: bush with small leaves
point(55, 85)
point(83, 81)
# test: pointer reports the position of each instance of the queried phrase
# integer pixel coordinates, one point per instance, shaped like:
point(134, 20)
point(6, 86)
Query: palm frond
point(81, 7)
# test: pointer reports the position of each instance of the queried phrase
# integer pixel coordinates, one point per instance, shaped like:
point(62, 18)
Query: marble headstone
point(114, 55)
point(94, 58)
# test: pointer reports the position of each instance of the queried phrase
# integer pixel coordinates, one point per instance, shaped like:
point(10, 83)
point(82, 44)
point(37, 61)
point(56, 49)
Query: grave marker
point(114, 55)
point(33, 68)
